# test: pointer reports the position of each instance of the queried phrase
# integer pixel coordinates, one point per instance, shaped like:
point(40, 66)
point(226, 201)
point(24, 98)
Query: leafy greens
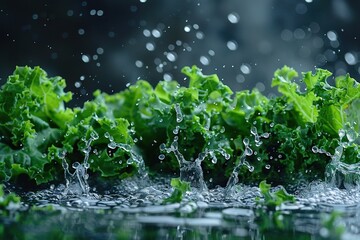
point(204, 117)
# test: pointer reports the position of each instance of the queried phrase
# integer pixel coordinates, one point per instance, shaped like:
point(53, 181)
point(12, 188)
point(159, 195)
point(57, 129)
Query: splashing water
point(76, 182)
point(179, 115)
point(340, 174)
point(190, 171)
point(134, 157)
point(234, 179)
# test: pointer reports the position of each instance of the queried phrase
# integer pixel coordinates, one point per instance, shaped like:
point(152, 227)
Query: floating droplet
point(233, 17)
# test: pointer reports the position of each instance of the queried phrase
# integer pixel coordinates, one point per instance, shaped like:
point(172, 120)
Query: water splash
point(234, 179)
point(340, 174)
point(179, 115)
point(76, 182)
point(134, 157)
point(190, 171)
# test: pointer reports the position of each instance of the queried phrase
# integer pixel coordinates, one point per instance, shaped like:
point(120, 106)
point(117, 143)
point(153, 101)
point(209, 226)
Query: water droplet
point(112, 145)
point(267, 166)
point(150, 46)
point(248, 151)
point(161, 157)
point(162, 147)
point(176, 130)
point(94, 135)
point(350, 58)
point(85, 58)
point(315, 149)
point(171, 56)
point(200, 35)
point(331, 35)
point(341, 133)
point(75, 165)
point(146, 33)
point(232, 45)
point(245, 68)
point(179, 116)
point(233, 17)
point(187, 28)
point(156, 33)
point(204, 60)
point(265, 135)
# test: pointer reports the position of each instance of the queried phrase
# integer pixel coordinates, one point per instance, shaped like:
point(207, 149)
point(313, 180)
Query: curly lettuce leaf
point(303, 103)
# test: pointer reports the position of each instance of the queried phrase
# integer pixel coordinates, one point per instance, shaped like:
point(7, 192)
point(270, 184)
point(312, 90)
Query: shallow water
point(133, 210)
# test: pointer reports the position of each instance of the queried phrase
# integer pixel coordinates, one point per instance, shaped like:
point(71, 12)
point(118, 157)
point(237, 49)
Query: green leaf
point(180, 188)
point(274, 199)
point(303, 103)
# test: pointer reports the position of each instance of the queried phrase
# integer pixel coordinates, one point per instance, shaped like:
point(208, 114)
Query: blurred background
point(108, 44)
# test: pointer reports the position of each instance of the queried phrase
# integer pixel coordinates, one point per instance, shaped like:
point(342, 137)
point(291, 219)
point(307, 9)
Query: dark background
point(107, 44)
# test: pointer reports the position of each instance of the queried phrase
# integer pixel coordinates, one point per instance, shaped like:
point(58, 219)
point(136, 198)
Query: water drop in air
point(233, 17)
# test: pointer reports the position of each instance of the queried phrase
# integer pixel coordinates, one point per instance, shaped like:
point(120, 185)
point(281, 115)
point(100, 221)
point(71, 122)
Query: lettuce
point(205, 117)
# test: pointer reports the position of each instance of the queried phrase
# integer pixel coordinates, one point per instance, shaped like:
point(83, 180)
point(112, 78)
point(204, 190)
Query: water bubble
point(85, 58)
point(232, 45)
point(161, 157)
point(204, 60)
point(267, 166)
point(233, 17)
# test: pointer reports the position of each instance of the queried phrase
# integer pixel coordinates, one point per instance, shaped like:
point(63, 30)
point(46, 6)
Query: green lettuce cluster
point(205, 117)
